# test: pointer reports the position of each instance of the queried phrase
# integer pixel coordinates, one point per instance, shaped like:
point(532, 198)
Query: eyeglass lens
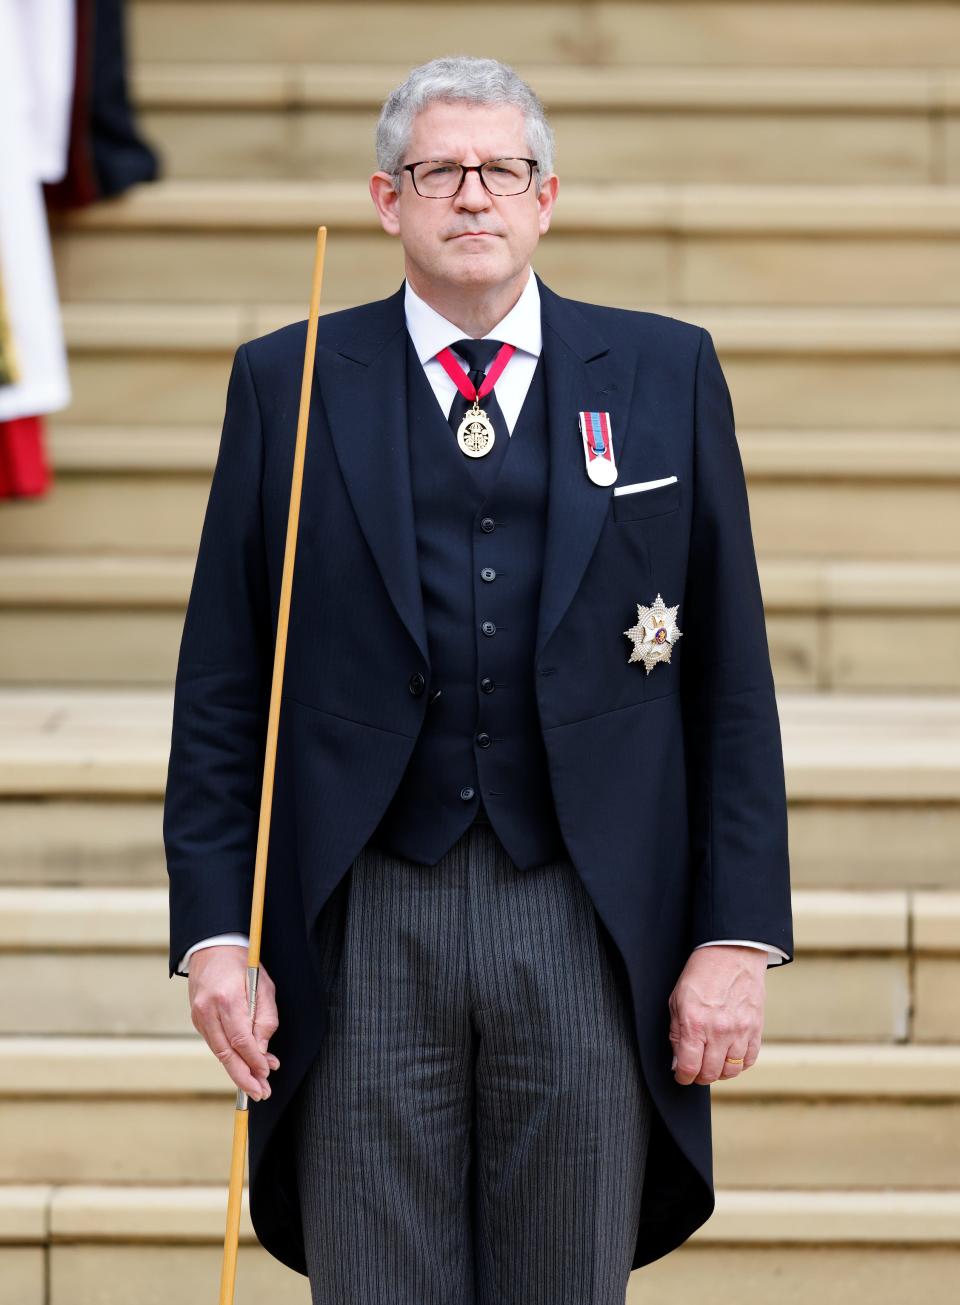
point(439, 179)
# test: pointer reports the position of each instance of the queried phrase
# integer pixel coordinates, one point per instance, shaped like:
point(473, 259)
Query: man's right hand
point(219, 1009)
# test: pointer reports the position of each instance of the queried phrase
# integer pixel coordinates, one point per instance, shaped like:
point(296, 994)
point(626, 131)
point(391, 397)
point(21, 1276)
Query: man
point(528, 856)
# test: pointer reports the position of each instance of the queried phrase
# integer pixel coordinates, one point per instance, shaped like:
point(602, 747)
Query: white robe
point(37, 59)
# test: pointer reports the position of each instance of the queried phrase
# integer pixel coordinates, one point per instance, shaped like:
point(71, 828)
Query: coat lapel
point(583, 374)
point(362, 387)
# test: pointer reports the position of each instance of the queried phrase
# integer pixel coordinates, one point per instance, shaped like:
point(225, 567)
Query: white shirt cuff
point(215, 940)
point(777, 954)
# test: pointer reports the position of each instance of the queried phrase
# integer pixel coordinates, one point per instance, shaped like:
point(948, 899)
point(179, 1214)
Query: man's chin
point(473, 263)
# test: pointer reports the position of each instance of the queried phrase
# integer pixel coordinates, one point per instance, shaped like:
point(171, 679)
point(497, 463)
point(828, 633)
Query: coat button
point(466, 793)
point(488, 627)
point(417, 683)
point(483, 739)
point(487, 685)
point(488, 573)
point(487, 523)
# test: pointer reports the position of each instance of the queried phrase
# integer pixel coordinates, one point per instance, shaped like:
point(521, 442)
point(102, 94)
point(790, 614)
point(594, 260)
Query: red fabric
point(463, 382)
point(24, 470)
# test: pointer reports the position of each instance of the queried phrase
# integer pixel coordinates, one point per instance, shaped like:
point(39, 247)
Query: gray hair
point(461, 78)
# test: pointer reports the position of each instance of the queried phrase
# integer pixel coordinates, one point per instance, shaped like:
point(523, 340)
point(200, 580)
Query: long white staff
point(229, 1273)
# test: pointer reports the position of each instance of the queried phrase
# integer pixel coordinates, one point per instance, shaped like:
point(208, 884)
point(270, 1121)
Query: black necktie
point(478, 355)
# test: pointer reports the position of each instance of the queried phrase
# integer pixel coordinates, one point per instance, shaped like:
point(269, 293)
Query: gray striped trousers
point(474, 1130)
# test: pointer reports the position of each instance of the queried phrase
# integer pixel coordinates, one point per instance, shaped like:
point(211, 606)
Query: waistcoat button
point(488, 627)
point(487, 685)
point(487, 523)
point(488, 573)
point(483, 739)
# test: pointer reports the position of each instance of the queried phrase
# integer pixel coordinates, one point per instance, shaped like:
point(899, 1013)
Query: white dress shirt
point(430, 333)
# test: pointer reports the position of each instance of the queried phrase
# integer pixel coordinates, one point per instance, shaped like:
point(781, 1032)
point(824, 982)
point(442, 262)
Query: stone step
point(837, 747)
point(135, 1245)
point(158, 1110)
point(685, 123)
point(875, 34)
point(216, 241)
point(875, 965)
point(785, 454)
point(873, 784)
point(126, 369)
point(132, 514)
point(111, 620)
point(115, 840)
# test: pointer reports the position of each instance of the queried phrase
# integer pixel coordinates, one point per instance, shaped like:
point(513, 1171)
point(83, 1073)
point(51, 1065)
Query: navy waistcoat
point(480, 528)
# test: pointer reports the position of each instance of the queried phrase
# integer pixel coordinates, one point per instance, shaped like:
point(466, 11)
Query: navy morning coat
point(668, 787)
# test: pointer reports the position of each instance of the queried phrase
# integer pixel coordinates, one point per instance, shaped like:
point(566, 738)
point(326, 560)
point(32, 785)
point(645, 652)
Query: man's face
point(432, 231)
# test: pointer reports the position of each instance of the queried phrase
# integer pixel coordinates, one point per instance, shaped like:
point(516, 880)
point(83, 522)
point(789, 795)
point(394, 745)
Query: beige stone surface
point(810, 391)
point(117, 619)
point(644, 143)
point(169, 1140)
point(157, 1275)
point(817, 1144)
point(194, 1213)
point(161, 512)
point(93, 993)
point(841, 747)
point(92, 841)
point(733, 209)
point(859, 1143)
point(563, 87)
point(852, 269)
point(22, 1276)
point(638, 266)
point(936, 1015)
point(881, 746)
point(122, 513)
point(859, 998)
point(936, 921)
point(887, 844)
point(768, 387)
point(853, 662)
point(106, 647)
point(832, 1275)
point(799, 34)
point(24, 1212)
point(780, 1215)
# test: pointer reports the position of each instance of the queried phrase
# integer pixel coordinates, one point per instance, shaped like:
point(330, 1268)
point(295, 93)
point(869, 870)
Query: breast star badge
point(654, 634)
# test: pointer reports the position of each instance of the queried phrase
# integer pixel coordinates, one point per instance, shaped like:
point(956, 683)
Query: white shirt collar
point(431, 332)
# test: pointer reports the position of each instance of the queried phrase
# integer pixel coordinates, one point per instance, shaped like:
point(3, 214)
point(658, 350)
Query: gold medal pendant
point(475, 434)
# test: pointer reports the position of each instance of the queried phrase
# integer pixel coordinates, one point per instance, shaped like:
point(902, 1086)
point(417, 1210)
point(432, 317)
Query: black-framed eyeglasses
point(442, 178)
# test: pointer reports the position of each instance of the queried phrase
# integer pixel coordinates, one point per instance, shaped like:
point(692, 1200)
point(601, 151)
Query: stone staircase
point(786, 174)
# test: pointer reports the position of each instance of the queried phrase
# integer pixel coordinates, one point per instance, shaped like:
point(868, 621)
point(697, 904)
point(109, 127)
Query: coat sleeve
point(736, 787)
point(222, 693)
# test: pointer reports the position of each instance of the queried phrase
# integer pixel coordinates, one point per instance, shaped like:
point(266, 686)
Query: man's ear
point(546, 200)
point(386, 200)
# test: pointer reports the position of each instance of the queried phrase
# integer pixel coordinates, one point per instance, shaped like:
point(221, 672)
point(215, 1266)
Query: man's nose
point(473, 193)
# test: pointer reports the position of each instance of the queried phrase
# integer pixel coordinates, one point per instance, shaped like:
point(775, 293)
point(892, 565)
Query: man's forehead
point(451, 130)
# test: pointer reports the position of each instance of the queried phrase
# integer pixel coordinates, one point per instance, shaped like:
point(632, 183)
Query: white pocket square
point(642, 484)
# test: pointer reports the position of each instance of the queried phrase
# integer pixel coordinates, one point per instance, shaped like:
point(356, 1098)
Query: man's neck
point(474, 309)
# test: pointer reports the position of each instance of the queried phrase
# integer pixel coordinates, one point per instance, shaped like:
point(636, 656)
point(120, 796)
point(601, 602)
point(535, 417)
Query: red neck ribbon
point(462, 381)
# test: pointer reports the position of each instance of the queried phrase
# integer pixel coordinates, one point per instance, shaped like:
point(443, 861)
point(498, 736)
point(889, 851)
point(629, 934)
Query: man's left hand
point(716, 1011)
